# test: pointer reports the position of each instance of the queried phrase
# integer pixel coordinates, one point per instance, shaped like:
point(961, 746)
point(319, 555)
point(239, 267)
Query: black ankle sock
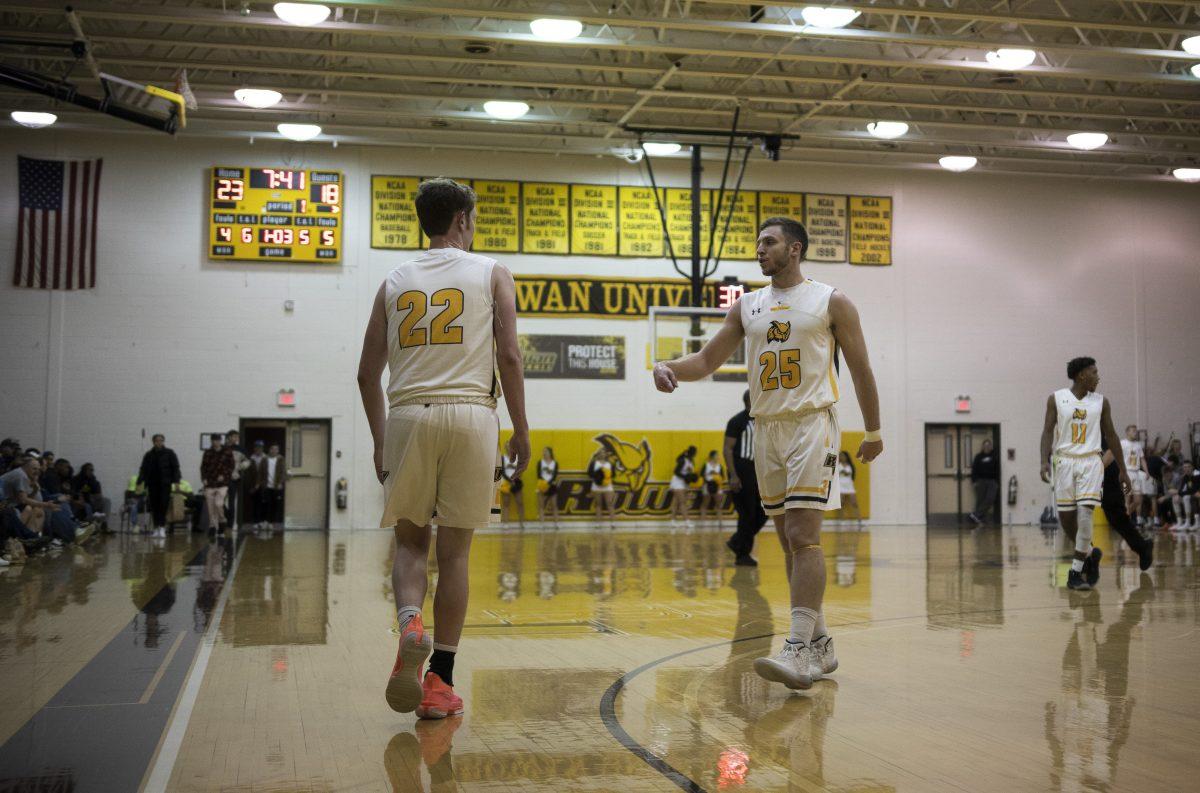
point(441, 663)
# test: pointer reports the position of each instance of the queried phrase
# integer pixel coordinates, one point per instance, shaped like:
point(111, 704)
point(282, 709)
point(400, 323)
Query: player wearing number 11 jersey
point(443, 323)
point(793, 330)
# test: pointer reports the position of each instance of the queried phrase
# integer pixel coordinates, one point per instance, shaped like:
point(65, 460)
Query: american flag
point(56, 232)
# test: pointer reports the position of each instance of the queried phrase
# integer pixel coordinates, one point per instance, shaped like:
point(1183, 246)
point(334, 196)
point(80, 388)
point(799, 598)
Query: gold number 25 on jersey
point(786, 363)
point(440, 330)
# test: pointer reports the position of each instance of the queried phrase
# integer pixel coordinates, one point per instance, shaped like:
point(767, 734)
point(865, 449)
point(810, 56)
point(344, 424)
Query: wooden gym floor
point(601, 661)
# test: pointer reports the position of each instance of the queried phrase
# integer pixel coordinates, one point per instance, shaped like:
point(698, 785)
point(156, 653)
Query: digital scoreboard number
point(275, 215)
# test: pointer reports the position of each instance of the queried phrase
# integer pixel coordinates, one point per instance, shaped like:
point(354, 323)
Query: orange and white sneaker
point(440, 700)
point(404, 686)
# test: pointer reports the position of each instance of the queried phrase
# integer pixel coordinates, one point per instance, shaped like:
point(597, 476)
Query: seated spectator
point(1185, 499)
point(1175, 453)
point(17, 488)
point(8, 454)
point(60, 523)
point(86, 486)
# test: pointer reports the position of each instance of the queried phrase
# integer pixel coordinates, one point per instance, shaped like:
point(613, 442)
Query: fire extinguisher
point(342, 489)
point(1012, 490)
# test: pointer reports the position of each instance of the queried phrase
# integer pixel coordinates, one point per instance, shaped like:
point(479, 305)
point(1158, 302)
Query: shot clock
point(275, 215)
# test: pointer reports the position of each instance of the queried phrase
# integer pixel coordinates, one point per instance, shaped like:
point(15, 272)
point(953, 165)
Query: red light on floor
point(732, 768)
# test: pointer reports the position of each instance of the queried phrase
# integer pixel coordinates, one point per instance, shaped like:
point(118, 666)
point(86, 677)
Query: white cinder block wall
point(997, 282)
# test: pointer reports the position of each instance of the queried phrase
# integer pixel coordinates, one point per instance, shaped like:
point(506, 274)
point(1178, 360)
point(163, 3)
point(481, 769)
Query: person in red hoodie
point(216, 472)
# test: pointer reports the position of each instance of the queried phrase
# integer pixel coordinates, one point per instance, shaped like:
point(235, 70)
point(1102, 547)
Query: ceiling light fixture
point(1187, 174)
point(548, 29)
point(1007, 59)
point(257, 97)
point(303, 15)
point(33, 119)
point(299, 132)
point(827, 17)
point(660, 149)
point(1191, 45)
point(887, 129)
point(505, 110)
point(1087, 140)
point(958, 164)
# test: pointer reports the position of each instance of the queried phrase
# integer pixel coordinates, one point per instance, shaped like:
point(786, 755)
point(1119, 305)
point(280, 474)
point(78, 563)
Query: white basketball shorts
point(1078, 481)
point(795, 459)
point(441, 459)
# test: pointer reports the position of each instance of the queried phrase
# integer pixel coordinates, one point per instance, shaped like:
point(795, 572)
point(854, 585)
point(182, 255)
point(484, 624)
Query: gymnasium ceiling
point(417, 74)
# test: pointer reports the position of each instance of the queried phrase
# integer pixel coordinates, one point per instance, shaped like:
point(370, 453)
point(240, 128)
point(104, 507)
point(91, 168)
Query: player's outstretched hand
point(664, 378)
point(1046, 473)
point(869, 450)
point(379, 472)
point(518, 449)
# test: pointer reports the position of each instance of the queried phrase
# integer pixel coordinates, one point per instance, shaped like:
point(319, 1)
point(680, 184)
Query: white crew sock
point(803, 622)
point(406, 613)
point(1083, 535)
point(819, 630)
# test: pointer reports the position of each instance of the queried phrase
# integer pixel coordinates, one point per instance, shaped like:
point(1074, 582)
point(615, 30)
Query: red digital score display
point(275, 214)
point(728, 294)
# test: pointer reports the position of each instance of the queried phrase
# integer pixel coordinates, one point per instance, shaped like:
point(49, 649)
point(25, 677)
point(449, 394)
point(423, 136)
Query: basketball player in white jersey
point(1075, 418)
point(1139, 473)
point(793, 330)
point(443, 323)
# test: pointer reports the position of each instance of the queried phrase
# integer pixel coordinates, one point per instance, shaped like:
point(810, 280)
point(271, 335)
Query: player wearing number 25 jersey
point(790, 355)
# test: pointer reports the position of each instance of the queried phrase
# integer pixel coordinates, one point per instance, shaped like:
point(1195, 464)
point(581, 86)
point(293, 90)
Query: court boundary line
point(158, 773)
point(608, 701)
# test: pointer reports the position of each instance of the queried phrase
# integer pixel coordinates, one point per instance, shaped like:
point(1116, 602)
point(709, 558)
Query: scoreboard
point(274, 215)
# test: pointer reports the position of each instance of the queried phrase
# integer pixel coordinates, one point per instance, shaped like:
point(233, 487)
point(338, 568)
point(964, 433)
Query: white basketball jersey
point(790, 349)
point(1134, 453)
point(439, 319)
point(1077, 433)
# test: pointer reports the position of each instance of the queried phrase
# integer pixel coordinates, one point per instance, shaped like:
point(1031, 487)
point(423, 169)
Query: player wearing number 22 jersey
point(793, 330)
point(442, 323)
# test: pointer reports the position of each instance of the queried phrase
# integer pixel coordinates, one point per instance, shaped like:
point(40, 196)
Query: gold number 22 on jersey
point(786, 362)
point(440, 330)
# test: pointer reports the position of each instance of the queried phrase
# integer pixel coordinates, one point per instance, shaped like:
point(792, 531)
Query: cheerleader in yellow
point(682, 478)
point(511, 485)
point(600, 470)
point(547, 486)
point(712, 497)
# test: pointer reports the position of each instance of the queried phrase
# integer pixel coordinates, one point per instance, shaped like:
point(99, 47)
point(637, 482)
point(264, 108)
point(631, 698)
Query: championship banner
point(606, 220)
point(643, 462)
point(573, 357)
point(604, 298)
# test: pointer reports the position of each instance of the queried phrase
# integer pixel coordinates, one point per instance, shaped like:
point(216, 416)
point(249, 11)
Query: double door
point(949, 450)
point(304, 444)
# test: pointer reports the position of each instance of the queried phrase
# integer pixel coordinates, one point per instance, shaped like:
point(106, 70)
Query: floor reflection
point(1088, 724)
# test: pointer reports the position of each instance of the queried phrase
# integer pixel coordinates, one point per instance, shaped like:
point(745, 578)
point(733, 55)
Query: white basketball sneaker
point(795, 666)
point(824, 655)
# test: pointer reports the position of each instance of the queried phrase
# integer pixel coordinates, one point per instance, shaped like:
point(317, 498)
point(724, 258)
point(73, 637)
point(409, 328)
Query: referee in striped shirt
point(743, 484)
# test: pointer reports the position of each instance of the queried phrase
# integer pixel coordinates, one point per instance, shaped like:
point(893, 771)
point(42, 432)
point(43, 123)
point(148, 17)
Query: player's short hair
point(793, 230)
point(216, 436)
point(1077, 365)
point(438, 201)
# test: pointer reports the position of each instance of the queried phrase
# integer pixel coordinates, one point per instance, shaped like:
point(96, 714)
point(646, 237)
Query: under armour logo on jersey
point(779, 331)
point(756, 311)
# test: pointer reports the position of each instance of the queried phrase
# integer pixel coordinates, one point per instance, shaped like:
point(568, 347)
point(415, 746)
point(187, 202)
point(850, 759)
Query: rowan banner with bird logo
point(606, 298)
point(642, 464)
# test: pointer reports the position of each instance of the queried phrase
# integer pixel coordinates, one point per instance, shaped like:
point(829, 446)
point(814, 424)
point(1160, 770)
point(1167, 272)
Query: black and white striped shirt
point(741, 429)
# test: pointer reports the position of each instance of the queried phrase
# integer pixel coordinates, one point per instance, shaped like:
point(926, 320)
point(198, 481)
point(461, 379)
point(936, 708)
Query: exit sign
point(286, 398)
point(962, 404)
